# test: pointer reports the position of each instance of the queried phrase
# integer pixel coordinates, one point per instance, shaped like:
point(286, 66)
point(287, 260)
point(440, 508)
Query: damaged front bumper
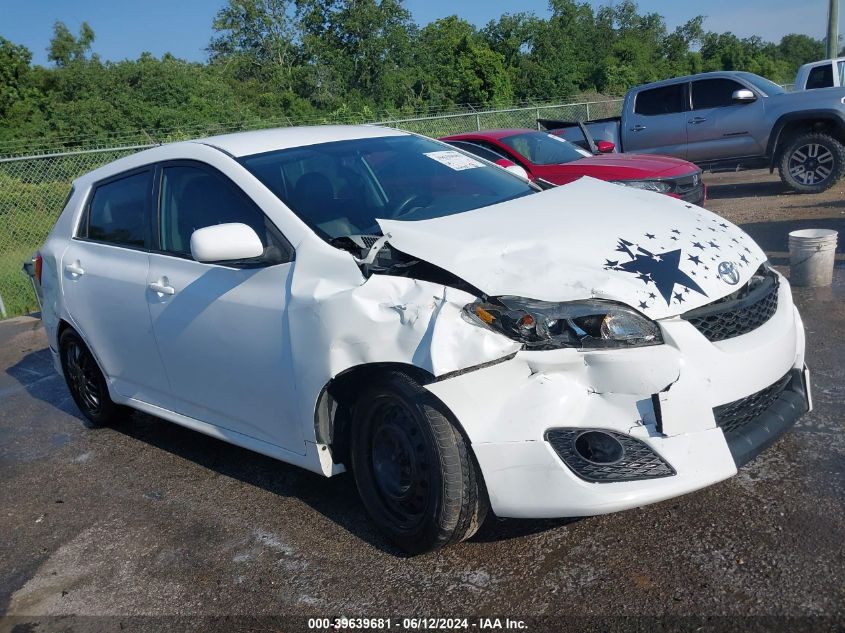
point(694, 411)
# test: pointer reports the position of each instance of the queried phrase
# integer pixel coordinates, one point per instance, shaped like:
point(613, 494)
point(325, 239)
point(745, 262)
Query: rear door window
point(664, 100)
point(713, 93)
point(119, 211)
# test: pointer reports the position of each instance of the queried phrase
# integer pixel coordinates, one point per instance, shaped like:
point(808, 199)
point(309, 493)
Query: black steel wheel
point(812, 163)
point(416, 476)
point(85, 380)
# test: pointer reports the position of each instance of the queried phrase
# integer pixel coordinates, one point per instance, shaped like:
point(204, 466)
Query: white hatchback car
point(362, 298)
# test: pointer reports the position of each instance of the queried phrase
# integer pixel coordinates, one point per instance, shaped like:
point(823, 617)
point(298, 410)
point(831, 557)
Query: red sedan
point(552, 159)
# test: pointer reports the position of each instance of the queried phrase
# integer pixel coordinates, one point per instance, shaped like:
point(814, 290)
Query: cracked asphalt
point(148, 518)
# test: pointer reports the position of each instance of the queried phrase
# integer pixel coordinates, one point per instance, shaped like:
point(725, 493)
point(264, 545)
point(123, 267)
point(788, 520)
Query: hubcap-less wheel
point(83, 377)
point(811, 164)
point(416, 475)
point(86, 382)
point(399, 465)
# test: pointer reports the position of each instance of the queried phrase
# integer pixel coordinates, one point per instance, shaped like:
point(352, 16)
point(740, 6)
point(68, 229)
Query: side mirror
point(743, 96)
point(225, 243)
point(605, 147)
point(512, 167)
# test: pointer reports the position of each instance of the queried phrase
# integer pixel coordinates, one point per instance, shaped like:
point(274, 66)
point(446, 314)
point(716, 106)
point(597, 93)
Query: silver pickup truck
point(730, 120)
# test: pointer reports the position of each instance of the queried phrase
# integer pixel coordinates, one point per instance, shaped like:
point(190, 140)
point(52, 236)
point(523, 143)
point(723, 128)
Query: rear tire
point(812, 162)
point(85, 381)
point(415, 473)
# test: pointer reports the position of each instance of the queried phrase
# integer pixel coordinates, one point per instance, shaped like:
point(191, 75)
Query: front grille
point(695, 196)
point(734, 416)
point(638, 461)
point(739, 313)
point(689, 188)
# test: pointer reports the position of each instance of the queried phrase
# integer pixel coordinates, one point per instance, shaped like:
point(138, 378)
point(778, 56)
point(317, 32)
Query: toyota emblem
point(728, 273)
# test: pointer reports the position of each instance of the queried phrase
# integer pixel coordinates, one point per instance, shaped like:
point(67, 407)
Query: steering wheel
point(405, 207)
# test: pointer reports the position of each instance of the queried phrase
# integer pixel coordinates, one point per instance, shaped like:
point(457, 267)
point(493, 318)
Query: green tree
point(14, 75)
point(64, 48)
point(258, 38)
point(456, 66)
point(359, 50)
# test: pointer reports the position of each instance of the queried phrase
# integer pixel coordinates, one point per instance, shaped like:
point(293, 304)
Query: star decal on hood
point(661, 269)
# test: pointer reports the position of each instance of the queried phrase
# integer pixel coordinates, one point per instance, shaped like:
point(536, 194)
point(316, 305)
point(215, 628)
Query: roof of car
point(260, 141)
point(823, 61)
point(242, 144)
point(674, 80)
point(495, 134)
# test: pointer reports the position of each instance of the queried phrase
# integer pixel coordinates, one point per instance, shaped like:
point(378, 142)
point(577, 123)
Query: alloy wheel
point(811, 164)
point(83, 377)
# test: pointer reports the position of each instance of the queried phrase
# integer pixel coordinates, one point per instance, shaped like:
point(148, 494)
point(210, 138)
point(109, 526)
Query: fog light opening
point(598, 447)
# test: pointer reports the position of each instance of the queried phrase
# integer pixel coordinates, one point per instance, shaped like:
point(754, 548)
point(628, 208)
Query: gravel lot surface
point(148, 518)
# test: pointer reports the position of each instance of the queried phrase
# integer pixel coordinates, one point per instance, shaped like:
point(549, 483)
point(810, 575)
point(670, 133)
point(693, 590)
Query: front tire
point(812, 163)
point(416, 476)
point(85, 381)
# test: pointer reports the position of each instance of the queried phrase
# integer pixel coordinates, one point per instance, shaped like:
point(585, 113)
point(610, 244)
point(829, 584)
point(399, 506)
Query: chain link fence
point(33, 187)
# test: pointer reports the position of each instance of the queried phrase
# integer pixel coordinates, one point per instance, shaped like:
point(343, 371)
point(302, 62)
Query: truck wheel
point(812, 163)
point(415, 474)
point(85, 381)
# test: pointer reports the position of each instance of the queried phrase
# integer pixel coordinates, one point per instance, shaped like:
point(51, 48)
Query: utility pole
point(833, 29)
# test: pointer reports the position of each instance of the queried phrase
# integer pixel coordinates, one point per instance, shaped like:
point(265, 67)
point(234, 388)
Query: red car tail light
point(38, 264)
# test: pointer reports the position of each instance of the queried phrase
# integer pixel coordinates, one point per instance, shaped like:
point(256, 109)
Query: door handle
point(698, 119)
point(161, 287)
point(638, 128)
point(75, 269)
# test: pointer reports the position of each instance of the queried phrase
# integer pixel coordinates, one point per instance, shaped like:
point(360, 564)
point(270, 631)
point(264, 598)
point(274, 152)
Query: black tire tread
point(111, 412)
point(464, 503)
point(833, 144)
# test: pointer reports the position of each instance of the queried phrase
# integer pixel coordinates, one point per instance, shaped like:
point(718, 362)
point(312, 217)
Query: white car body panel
point(556, 246)
point(136, 369)
point(244, 354)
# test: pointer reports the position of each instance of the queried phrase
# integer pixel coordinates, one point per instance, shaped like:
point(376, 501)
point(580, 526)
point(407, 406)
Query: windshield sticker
point(454, 160)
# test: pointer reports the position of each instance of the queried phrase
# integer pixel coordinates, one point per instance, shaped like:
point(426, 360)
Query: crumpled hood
point(588, 239)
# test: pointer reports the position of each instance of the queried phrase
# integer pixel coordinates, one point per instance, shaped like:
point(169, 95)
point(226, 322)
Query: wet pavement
point(148, 518)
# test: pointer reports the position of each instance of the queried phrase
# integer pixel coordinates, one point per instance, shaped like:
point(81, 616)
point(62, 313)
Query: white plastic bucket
point(811, 257)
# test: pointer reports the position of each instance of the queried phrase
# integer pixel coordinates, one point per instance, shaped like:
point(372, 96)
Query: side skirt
point(317, 457)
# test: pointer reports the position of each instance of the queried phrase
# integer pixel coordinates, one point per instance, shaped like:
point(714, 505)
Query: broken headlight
point(541, 325)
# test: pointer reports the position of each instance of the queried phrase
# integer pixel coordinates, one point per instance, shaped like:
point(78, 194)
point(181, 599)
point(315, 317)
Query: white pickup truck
point(828, 73)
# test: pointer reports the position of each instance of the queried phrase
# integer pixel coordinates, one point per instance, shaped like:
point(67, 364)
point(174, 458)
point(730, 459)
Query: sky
point(125, 29)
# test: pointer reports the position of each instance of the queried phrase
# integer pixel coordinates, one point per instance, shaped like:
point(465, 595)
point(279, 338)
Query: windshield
point(761, 83)
point(544, 149)
point(340, 188)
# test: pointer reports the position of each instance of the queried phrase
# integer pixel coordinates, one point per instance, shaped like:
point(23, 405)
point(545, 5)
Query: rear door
point(104, 278)
point(657, 122)
point(222, 328)
point(718, 128)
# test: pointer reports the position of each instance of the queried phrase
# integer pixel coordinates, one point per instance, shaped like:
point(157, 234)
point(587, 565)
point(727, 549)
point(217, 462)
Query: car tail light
point(38, 265)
